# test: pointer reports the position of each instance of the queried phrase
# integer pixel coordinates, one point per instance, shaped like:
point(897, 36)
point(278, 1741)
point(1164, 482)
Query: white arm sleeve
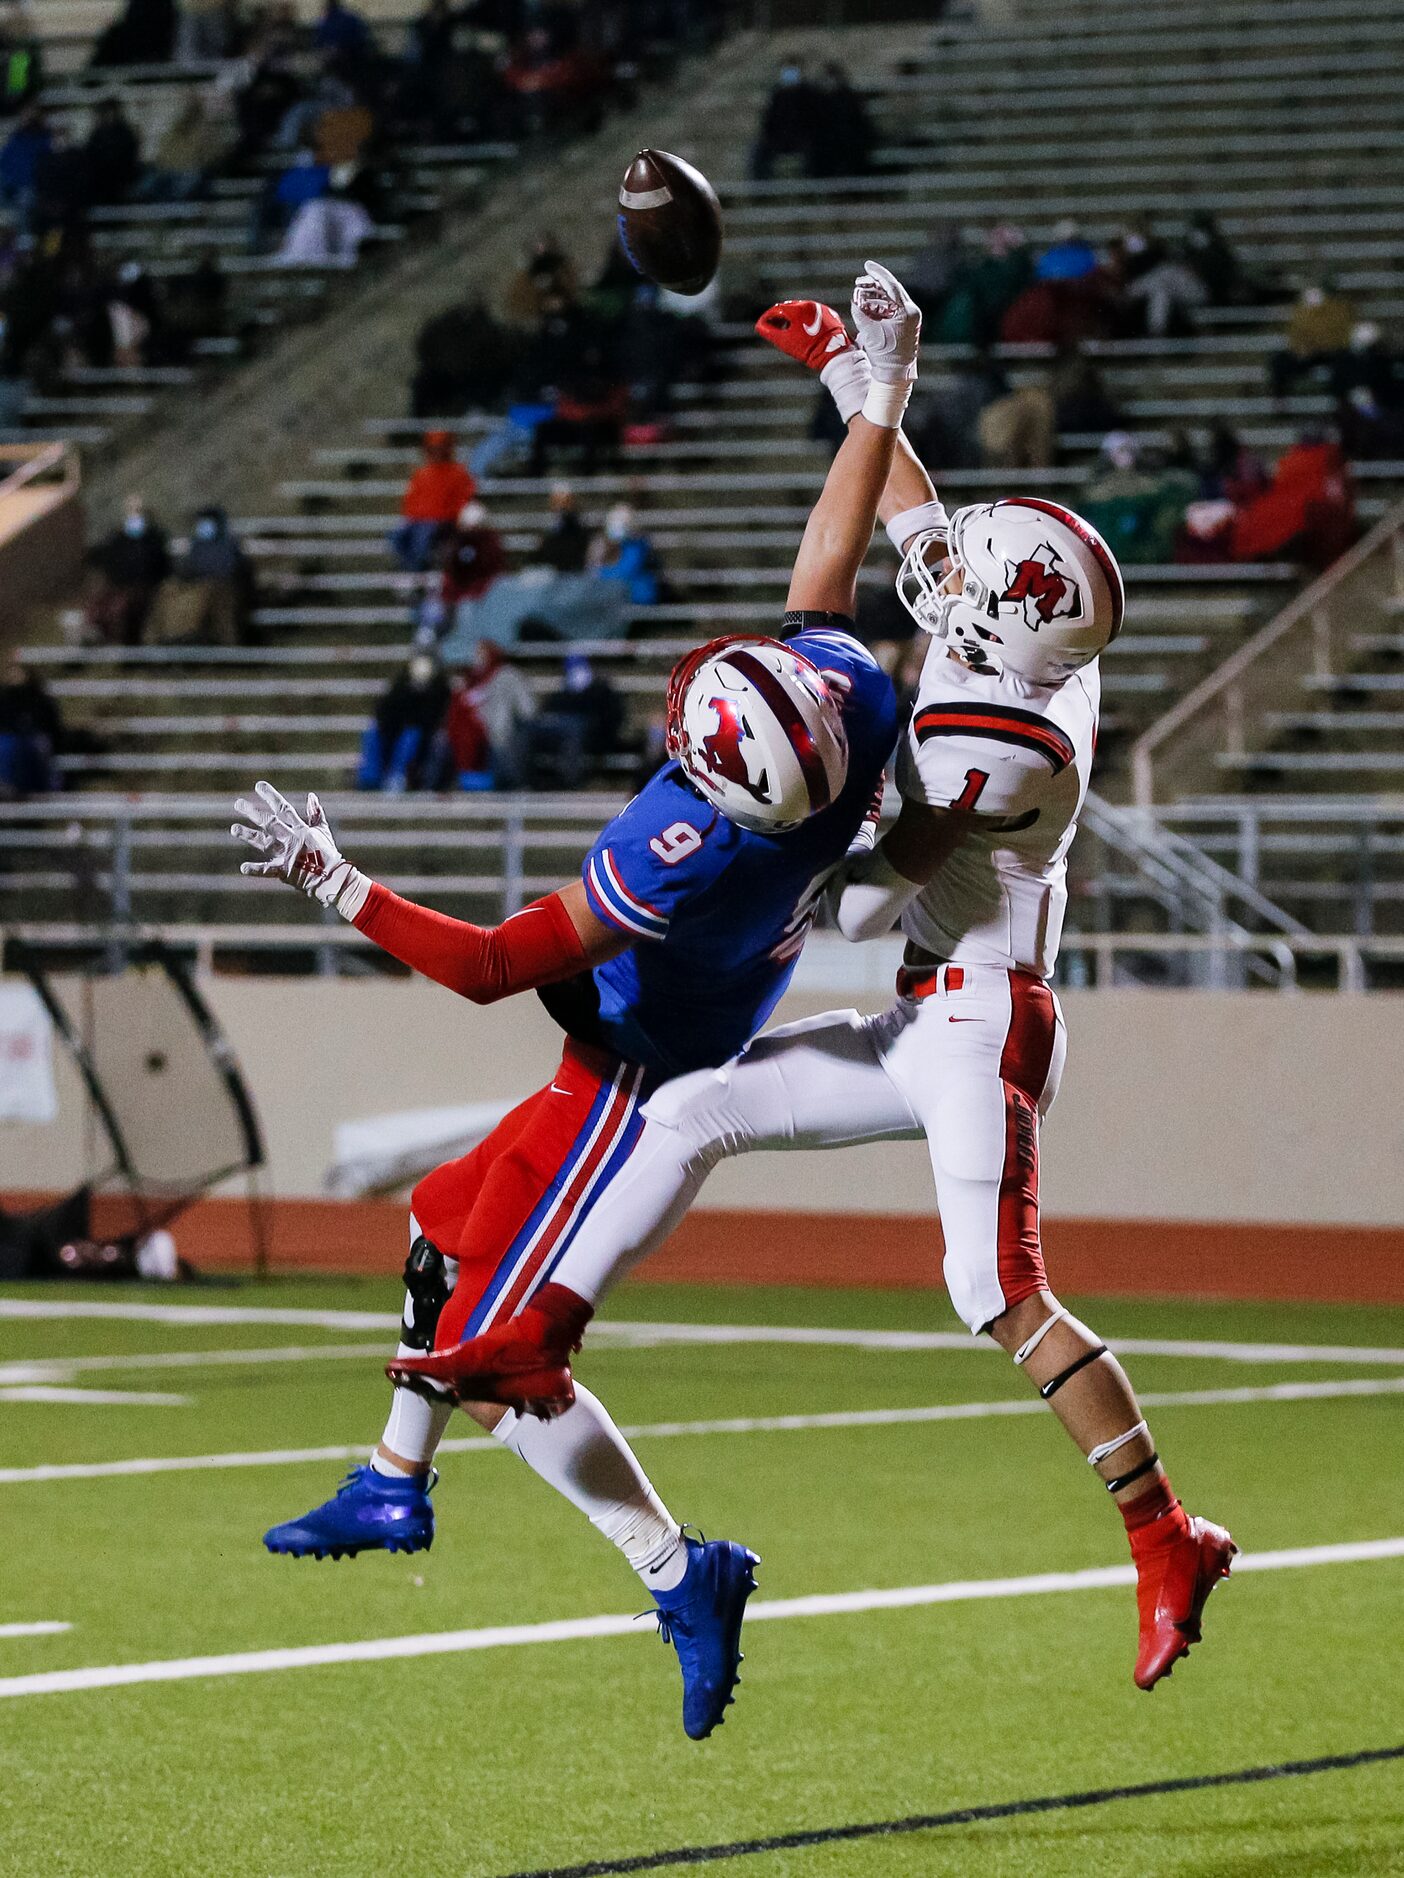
point(873, 897)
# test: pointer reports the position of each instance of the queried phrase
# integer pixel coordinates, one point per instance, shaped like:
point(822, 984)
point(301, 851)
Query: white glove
point(889, 324)
point(303, 852)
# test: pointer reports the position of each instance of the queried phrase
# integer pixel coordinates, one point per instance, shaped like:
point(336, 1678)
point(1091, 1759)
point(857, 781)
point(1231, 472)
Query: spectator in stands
point(31, 730)
point(588, 412)
point(1167, 292)
point(843, 139)
point(1306, 513)
point(275, 205)
point(433, 500)
point(125, 570)
point(1229, 471)
point(790, 126)
point(21, 62)
point(1318, 329)
point(20, 156)
point(1137, 509)
point(330, 230)
point(61, 185)
point(135, 315)
point(1081, 400)
point(576, 730)
point(471, 557)
point(207, 599)
point(1208, 252)
point(546, 283)
point(623, 552)
point(407, 718)
point(462, 359)
point(1070, 256)
point(196, 306)
point(565, 546)
point(142, 34)
point(199, 139)
point(1017, 431)
point(491, 707)
point(112, 152)
point(1367, 381)
point(344, 34)
point(551, 78)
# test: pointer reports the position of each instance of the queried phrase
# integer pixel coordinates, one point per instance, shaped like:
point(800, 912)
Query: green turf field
point(543, 1756)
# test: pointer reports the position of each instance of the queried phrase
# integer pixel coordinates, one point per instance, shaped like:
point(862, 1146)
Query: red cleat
point(522, 1362)
point(1174, 1577)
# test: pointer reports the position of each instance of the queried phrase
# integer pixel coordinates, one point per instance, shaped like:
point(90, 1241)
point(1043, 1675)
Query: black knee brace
point(426, 1294)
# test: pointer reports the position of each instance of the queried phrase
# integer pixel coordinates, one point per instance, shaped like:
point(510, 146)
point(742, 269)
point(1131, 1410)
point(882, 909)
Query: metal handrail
point(1214, 688)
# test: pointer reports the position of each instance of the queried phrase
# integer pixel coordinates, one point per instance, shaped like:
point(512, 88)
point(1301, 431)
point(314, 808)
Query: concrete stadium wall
point(1225, 1142)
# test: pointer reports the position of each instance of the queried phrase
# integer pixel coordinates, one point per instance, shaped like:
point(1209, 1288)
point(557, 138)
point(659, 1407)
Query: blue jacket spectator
point(343, 31)
point(1071, 257)
point(20, 156)
point(29, 732)
point(625, 554)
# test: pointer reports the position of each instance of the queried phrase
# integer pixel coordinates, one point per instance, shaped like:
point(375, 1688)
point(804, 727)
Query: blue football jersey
point(719, 913)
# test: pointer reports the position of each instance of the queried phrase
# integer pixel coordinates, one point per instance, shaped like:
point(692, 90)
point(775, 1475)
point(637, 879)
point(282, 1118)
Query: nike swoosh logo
point(813, 330)
point(556, 1089)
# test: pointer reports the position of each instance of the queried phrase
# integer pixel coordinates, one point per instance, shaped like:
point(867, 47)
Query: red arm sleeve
point(538, 946)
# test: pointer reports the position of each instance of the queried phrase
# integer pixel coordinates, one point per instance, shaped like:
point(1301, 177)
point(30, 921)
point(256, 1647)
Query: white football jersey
point(1018, 758)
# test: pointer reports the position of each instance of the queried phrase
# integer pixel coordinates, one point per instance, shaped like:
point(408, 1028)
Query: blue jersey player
point(668, 954)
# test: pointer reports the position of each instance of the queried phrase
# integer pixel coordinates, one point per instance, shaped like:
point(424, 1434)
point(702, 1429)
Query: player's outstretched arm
point(550, 940)
point(841, 525)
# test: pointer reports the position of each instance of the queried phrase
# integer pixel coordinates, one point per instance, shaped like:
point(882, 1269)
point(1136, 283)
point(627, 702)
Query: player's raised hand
point(806, 330)
point(299, 849)
point(889, 324)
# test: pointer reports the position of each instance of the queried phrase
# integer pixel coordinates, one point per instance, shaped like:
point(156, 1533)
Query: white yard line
point(60, 1368)
point(624, 1334)
point(570, 1630)
point(735, 1425)
point(32, 1630)
point(94, 1398)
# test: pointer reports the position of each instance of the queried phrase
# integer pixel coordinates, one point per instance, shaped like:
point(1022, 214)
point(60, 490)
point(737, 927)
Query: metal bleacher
point(1281, 119)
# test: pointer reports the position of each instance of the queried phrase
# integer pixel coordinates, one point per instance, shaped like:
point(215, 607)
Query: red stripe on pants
point(1023, 1067)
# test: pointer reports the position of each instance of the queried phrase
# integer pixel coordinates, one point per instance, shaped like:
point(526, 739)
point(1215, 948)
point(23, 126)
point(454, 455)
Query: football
point(670, 222)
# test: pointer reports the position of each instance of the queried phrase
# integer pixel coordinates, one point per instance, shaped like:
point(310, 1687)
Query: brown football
point(670, 222)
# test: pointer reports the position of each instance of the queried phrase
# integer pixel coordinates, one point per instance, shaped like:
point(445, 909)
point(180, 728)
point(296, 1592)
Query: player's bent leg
point(700, 1587)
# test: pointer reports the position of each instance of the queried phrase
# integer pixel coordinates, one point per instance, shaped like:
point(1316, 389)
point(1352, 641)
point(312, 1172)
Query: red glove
point(806, 330)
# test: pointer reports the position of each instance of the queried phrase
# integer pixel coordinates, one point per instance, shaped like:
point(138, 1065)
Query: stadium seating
point(1266, 121)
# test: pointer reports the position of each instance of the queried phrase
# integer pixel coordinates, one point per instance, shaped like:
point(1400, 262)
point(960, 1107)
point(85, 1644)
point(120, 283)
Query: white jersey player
point(1019, 596)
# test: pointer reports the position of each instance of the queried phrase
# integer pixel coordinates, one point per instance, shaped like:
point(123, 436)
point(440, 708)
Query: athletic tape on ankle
point(1100, 1454)
point(1125, 1480)
point(1052, 1387)
point(1026, 1350)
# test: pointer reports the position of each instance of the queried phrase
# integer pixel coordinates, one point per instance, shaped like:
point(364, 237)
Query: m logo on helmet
point(722, 753)
point(1042, 589)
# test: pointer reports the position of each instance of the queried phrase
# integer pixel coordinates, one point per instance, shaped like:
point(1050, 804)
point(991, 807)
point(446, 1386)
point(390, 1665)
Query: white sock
point(583, 1456)
point(416, 1425)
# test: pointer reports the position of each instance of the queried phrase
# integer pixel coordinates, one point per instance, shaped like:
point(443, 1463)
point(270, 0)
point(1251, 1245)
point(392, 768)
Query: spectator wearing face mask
point(125, 570)
point(1367, 381)
point(623, 552)
point(208, 597)
point(485, 733)
point(1318, 329)
point(434, 498)
point(471, 558)
point(565, 546)
point(30, 731)
point(1138, 510)
point(407, 718)
point(844, 139)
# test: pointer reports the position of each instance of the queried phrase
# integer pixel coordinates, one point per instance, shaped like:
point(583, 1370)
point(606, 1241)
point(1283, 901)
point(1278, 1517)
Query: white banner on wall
point(27, 1092)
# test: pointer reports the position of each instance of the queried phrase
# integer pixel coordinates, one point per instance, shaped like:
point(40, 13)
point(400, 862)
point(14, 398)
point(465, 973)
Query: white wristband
point(886, 405)
point(846, 378)
point(924, 518)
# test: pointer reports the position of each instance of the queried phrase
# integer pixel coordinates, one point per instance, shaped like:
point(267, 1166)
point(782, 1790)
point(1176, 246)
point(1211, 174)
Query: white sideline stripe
point(570, 1630)
point(60, 1368)
point(94, 1398)
point(741, 1425)
point(32, 1630)
point(642, 1334)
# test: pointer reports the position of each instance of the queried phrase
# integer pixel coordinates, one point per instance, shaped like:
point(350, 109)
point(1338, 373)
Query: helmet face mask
point(1026, 587)
point(758, 732)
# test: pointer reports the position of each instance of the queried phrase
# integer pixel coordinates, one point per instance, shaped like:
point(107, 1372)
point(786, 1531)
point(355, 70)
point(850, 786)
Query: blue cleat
point(370, 1513)
point(701, 1618)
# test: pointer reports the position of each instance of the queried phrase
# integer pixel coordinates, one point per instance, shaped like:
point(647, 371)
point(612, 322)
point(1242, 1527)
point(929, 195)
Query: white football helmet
point(758, 732)
point(1039, 592)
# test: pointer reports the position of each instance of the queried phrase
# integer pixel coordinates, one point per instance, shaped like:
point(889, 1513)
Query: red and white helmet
point(1040, 592)
point(758, 731)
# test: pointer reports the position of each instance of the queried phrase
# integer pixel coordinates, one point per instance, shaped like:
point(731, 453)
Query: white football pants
point(972, 1062)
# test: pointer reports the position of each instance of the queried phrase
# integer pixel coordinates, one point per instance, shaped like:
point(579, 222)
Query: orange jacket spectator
point(440, 487)
point(1307, 510)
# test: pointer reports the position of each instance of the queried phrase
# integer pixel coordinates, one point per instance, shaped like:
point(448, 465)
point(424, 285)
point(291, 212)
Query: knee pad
point(427, 1288)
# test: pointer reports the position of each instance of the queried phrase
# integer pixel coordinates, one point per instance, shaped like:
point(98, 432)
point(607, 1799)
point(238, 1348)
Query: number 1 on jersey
point(975, 780)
